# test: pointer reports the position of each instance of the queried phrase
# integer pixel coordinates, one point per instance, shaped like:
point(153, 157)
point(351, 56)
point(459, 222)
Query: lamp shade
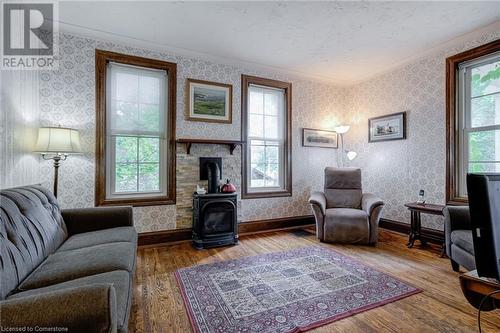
point(351, 155)
point(58, 140)
point(342, 129)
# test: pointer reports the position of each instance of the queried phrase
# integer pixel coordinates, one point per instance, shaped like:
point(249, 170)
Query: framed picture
point(209, 101)
point(319, 138)
point(388, 127)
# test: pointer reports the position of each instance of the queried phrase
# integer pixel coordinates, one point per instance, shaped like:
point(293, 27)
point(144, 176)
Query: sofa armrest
point(89, 308)
point(373, 206)
point(319, 199)
point(455, 218)
point(318, 205)
point(369, 202)
point(91, 219)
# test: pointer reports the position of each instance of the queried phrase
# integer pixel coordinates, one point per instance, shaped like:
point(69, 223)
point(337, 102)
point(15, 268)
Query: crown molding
point(491, 28)
point(105, 36)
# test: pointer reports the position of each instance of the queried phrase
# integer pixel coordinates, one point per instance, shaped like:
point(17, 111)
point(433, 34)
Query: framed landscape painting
point(319, 138)
point(210, 101)
point(388, 127)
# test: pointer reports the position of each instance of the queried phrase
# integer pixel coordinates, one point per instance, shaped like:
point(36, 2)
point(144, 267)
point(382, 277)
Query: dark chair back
point(343, 188)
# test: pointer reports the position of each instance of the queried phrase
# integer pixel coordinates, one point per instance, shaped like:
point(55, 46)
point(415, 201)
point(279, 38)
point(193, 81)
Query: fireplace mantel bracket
point(231, 143)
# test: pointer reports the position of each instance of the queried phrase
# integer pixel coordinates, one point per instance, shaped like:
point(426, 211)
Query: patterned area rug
point(289, 291)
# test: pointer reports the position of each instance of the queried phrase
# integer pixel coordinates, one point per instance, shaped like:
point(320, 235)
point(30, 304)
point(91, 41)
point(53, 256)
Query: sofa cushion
point(463, 239)
point(119, 279)
point(31, 229)
point(112, 235)
point(72, 264)
point(346, 225)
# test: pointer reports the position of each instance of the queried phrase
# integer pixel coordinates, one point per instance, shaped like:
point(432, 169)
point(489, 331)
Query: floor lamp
point(341, 130)
point(56, 143)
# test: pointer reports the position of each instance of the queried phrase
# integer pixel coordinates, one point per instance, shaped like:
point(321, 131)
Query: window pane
point(149, 90)
point(484, 146)
point(149, 177)
point(126, 177)
point(256, 101)
point(126, 149)
point(137, 100)
point(264, 164)
point(272, 127)
point(136, 114)
point(257, 155)
point(256, 126)
point(150, 117)
point(257, 175)
point(484, 167)
point(272, 175)
point(271, 104)
point(485, 79)
point(126, 87)
point(266, 137)
point(485, 110)
point(125, 116)
point(480, 109)
point(272, 154)
point(149, 149)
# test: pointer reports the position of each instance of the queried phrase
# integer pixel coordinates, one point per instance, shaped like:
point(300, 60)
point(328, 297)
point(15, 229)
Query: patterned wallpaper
point(67, 97)
point(20, 115)
point(393, 170)
point(397, 170)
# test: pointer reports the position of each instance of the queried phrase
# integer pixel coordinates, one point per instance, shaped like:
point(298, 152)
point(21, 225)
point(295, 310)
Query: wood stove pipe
point(213, 173)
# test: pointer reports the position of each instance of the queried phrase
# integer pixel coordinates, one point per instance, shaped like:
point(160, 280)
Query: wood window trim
point(246, 80)
point(102, 58)
point(452, 63)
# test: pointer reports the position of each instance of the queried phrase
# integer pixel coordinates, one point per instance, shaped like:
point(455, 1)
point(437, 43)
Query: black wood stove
point(214, 220)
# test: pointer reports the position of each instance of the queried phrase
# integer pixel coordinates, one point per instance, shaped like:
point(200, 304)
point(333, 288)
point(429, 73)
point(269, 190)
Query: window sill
point(136, 202)
point(458, 201)
point(258, 195)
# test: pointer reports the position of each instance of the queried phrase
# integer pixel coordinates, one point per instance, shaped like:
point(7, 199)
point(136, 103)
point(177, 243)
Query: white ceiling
point(343, 42)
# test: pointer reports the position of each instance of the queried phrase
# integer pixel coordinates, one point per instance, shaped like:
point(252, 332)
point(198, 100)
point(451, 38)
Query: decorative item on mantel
point(228, 187)
point(200, 190)
point(56, 143)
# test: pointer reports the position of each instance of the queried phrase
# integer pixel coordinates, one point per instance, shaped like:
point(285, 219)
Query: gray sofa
point(458, 237)
point(69, 269)
point(343, 213)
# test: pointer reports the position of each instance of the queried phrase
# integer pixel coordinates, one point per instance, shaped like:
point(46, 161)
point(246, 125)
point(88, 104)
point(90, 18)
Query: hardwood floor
point(158, 305)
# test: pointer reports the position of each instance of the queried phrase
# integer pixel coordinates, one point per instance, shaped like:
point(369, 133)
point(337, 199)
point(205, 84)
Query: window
point(479, 117)
point(136, 154)
point(474, 144)
point(266, 126)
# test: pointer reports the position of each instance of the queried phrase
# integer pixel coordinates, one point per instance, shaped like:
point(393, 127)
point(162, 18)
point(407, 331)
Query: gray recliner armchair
point(343, 213)
point(458, 237)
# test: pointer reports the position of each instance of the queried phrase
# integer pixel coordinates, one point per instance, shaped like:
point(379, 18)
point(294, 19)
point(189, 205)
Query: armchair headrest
point(343, 178)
